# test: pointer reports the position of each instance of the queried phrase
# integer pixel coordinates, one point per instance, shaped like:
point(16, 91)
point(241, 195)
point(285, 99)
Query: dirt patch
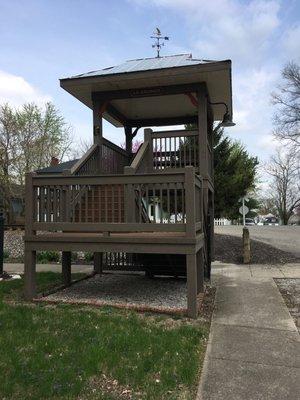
point(109, 386)
point(290, 291)
point(228, 249)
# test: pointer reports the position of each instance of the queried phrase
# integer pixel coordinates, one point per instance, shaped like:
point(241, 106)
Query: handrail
point(83, 159)
point(168, 176)
point(139, 157)
point(175, 133)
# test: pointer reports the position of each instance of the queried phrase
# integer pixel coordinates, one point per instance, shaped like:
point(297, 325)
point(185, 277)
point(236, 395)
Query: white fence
point(221, 222)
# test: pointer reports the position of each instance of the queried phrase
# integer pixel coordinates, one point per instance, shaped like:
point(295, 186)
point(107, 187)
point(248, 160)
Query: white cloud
point(223, 29)
point(291, 43)
point(16, 91)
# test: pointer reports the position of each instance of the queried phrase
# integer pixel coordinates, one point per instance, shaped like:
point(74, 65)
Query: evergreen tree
point(234, 173)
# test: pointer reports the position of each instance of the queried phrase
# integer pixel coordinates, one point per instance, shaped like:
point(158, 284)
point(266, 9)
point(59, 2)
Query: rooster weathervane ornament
point(158, 37)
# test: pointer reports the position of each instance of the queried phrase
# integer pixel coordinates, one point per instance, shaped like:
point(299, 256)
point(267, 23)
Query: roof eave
point(208, 66)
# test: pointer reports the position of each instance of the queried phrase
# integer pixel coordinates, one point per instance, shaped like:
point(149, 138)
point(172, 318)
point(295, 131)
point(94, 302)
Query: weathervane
point(158, 44)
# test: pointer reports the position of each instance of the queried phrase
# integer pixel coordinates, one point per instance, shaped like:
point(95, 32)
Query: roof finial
point(157, 38)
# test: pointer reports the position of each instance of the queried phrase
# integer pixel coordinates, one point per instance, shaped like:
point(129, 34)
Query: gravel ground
point(290, 290)
point(228, 249)
point(14, 244)
point(125, 290)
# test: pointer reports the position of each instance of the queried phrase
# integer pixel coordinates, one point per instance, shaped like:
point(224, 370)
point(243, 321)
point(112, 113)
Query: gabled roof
point(57, 169)
point(146, 64)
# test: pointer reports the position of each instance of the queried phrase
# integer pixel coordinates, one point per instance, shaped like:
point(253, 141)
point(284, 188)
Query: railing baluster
point(168, 202)
point(175, 202)
point(106, 203)
point(161, 203)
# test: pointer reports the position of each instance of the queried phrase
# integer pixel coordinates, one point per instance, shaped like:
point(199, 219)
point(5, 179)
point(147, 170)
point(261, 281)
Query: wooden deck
point(109, 212)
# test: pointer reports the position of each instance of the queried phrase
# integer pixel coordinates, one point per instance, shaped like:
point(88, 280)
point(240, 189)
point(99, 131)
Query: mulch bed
point(229, 248)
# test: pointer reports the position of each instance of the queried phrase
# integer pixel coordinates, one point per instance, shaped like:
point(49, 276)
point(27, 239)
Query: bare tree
point(81, 148)
point(284, 168)
point(287, 100)
point(29, 137)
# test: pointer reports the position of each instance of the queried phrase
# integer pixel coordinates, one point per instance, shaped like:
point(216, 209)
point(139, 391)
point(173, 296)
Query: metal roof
point(57, 169)
point(146, 64)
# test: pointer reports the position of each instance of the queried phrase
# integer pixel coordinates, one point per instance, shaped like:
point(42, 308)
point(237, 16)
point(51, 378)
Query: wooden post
point(191, 271)
point(202, 128)
point(190, 202)
point(128, 138)
point(66, 268)
point(200, 271)
point(30, 255)
point(246, 246)
point(98, 109)
point(29, 274)
point(148, 138)
point(98, 263)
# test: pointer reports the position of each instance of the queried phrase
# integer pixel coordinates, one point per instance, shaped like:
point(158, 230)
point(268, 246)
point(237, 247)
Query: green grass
point(67, 352)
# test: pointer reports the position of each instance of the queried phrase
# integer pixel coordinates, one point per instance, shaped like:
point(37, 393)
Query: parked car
point(249, 221)
point(271, 221)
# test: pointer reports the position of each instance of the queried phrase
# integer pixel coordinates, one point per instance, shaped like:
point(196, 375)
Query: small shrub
point(74, 256)
point(5, 254)
point(47, 256)
point(88, 257)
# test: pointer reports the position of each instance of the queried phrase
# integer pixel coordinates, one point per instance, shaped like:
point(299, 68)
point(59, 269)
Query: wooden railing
point(113, 158)
point(107, 158)
point(175, 149)
point(115, 203)
point(89, 163)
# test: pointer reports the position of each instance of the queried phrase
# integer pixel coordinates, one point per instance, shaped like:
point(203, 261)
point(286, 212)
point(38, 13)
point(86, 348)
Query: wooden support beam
point(128, 138)
point(181, 120)
point(202, 127)
point(98, 110)
point(66, 267)
point(147, 91)
point(190, 201)
point(191, 271)
point(200, 271)
point(116, 114)
point(98, 263)
point(30, 274)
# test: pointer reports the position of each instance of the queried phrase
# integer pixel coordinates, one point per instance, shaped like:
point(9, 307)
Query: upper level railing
point(115, 203)
point(107, 158)
point(175, 149)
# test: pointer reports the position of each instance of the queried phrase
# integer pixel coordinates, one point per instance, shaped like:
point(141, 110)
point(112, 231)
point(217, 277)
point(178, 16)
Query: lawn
point(72, 352)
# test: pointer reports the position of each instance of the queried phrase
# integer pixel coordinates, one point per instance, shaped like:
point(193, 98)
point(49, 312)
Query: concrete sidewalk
point(254, 348)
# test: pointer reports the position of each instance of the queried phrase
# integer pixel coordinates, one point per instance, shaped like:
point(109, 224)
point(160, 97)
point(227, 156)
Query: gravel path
point(126, 290)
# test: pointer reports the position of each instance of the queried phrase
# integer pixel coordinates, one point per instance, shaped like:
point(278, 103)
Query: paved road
point(254, 347)
point(286, 238)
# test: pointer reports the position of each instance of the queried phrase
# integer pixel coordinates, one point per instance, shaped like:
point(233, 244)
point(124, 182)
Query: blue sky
point(42, 41)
